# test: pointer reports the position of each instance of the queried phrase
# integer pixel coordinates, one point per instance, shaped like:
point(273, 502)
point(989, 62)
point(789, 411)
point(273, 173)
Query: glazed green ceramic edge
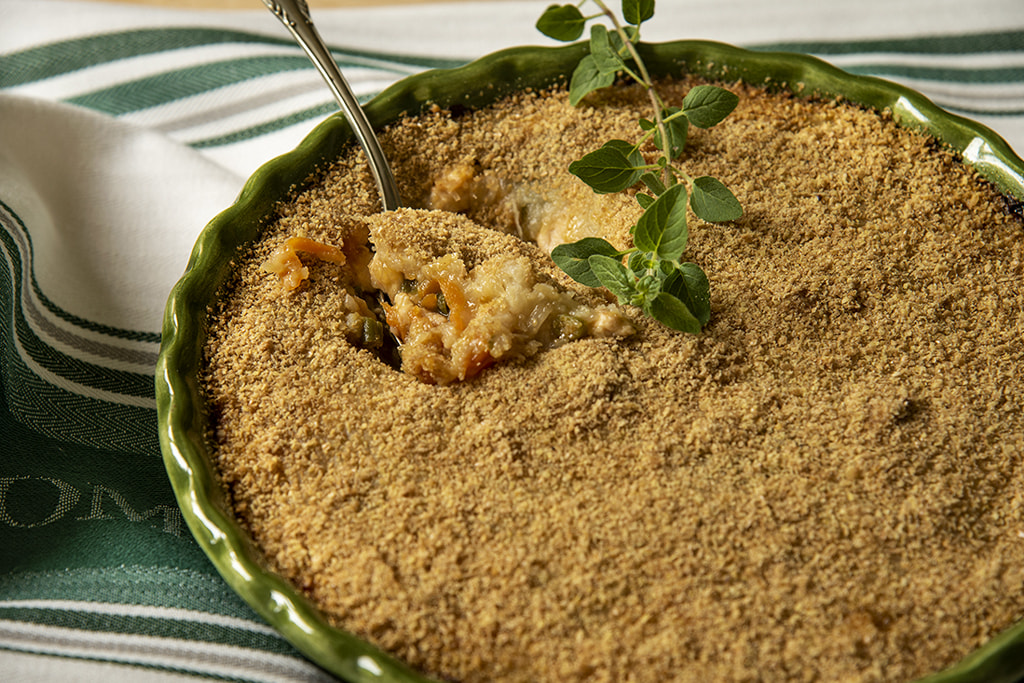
point(181, 417)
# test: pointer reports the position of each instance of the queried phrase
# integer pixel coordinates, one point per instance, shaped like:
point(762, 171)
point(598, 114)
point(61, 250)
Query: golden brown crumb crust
point(825, 485)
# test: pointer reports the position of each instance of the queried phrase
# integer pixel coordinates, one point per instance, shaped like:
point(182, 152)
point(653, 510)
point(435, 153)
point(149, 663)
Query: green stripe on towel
point(54, 59)
point(974, 43)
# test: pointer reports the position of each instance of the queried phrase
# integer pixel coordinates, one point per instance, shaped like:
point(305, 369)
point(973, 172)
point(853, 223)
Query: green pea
point(567, 328)
point(372, 333)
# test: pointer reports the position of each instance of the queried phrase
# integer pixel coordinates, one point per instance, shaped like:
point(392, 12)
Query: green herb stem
point(644, 80)
point(654, 277)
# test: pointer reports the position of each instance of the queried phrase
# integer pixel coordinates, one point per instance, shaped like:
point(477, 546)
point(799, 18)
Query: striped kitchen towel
point(123, 130)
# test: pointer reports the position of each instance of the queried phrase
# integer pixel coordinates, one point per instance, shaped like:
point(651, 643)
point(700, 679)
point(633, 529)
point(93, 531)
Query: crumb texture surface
point(825, 485)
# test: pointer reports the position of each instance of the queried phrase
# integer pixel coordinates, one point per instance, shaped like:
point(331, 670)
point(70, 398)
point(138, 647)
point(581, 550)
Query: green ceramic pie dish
point(181, 415)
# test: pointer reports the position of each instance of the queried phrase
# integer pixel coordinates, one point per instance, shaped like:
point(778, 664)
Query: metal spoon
point(294, 14)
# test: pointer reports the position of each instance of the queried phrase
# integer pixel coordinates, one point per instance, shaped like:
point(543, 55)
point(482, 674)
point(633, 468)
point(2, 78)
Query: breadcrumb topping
point(825, 485)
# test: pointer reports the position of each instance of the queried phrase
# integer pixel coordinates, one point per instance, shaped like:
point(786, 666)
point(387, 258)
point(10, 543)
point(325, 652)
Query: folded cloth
point(123, 130)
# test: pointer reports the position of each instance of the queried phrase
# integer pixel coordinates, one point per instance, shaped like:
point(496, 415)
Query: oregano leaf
point(653, 183)
point(713, 201)
point(637, 11)
point(611, 168)
point(673, 313)
point(573, 258)
point(632, 35)
point(612, 275)
point(562, 22)
point(587, 78)
point(644, 200)
point(606, 57)
point(638, 262)
point(707, 105)
point(662, 229)
point(689, 284)
point(699, 287)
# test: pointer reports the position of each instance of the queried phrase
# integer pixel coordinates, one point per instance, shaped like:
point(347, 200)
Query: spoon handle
point(294, 14)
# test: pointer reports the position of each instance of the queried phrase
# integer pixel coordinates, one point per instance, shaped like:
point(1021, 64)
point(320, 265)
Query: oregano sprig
point(651, 274)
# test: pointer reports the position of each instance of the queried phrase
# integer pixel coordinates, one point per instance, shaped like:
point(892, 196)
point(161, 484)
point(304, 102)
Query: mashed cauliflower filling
point(461, 296)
